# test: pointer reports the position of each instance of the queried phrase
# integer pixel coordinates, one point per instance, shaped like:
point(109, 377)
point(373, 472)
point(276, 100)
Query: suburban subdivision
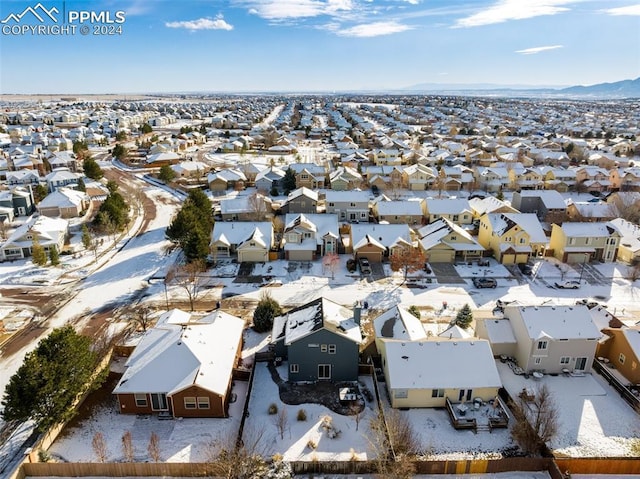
point(270, 286)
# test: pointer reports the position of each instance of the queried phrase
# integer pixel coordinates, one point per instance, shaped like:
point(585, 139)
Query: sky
point(157, 46)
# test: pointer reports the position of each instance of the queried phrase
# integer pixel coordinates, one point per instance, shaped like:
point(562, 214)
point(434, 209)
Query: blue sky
point(323, 45)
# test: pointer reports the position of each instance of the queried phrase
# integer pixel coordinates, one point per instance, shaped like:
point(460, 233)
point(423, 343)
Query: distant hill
point(621, 89)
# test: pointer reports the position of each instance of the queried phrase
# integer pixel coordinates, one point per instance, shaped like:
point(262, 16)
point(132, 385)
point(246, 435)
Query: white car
point(568, 284)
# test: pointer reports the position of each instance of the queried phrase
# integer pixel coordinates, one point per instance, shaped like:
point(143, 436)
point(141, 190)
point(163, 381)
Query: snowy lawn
point(594, 421)
point(294, 444)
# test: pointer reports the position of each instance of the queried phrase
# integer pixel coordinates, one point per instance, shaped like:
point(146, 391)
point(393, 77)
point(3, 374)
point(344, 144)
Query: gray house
point(352, 206)
point(20, 199)
point(302, 200)
point(320, 340)
point(269, 178)
point(548, 205)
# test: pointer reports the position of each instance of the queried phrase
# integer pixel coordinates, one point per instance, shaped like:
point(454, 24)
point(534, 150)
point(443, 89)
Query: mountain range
point(620, 89)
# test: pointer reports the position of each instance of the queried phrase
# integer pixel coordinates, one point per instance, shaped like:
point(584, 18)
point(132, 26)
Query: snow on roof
point(499, 331)
point(633, 337)
point(398, 323)
point(433, 234)
point(529, 222)
point(171, 357)
point(551, 198)
point(384, 235)
point(164, 156)
point(488, 205)
point(556, 322)
point(237, 232)
point(630, 233)
point(594, 210)
point(413, 208)
point(227, 174)
point(319, 314)
point(455, 332)
point(336, 196)
point(449, 206)
point(443, 364)
point(63, 197)
point(321, 224)
point(587, 230)
point(303, 191)
point(242, 204)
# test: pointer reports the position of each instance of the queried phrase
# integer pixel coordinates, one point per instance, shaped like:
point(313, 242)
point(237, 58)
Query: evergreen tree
point(146, 128)
point(114, 211)
point(92, 169)
point(166, 174)
point(38, 254)
point(119, 152)
point(86, 237)
point(191, 227)
point(267, 309)
point(81, 186)
point(289, 181)
point(464, 317)
point(51, 378)
point(54, 256)
point(39, 193)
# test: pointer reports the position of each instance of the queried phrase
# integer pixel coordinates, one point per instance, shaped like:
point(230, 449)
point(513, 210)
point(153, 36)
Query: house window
point(522, 240)
point(565, 360)
point(331, 204)
point(621, 358)
point(304, 176)
point(542, 344)
point(252, 243)
point(323, 348)
point(400, 393)
point(363, 215)
point(437, 393)
point(190, 402)
point(159, 402)
point(455, 218)
point(508, 239)
point(572, 241)
point(353, 205)
point(537, 361)
point(453, 238)
point(587, 240)
point(203, 402)
point(324, 371)
point(332, 349)
point(141, 400)
point(307, 235)
point(294, 368)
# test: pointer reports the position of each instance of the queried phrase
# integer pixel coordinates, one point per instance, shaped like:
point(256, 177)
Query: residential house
point(397, 323)
point(190, 169)
point(270, 179)
point(500, 335)
point(345, 178)
point(61, 177)
point(378, 241)
point(629, 246)
point(625, 179)
point(49, 232)
point(492, 179)
point(418, 177)
point(23, 178)
point(445, 242)
point(65, 203)
point(489, 204)
point(227, 179)
point(351, 206)
point(320, 340)
point(309, 175)
point(415, 376)
point(557, 178)
point(250, 241)
point(307, 237)
point(621, 347)
point(592, 179)
point(548, 205)
point(301, 200)
point(20, 198)
point(163, 158)
point(63, 159)
point(584, 242)
point(456, 210)
point(585, 211)
point(183, 366)
point(553, 339)
point(399, 212)
point(253, 207)
point(513, 237)
point(525, 179)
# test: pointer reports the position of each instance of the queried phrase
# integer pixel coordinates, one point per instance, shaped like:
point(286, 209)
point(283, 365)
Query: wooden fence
point(600, 465)
point(624, 392)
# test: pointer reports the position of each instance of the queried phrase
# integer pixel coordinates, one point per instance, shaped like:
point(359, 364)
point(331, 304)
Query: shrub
point(413, 309)
point(302, 415)
point(267, 309)
point(273, 409)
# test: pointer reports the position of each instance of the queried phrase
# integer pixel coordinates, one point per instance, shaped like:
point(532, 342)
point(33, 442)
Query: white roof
point(633, 337)
point(63, 197)
point(499, 331)
point(242, 204)
point(455, 332)
point(556, 322)
point(164, 156)
point(385, 235)
point(398, 323)
point(487, 205)
point(630, 233)
point(237, 232)
point(551, 198)
point(170, 358)
point(335, 196)
point(303, 191)
point(323, 223)
point(449, 206)
point(433, 234)
point(443, 364)
point(413, 208)
point(529, 222)
point(587, 230)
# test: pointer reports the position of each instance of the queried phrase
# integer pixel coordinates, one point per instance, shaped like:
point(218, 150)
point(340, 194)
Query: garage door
point(508, 258)
point(440, 256)
point(252, 256)
point(522, 258)
point(575, 257)
point(372, 256)
point(300, 255)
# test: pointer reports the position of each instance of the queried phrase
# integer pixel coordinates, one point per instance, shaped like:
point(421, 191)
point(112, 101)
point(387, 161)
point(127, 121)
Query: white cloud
point(533, 51)
point(288, 9)
point(217, 23)
point(631, 10)
point(505, 10)
point(375, 29)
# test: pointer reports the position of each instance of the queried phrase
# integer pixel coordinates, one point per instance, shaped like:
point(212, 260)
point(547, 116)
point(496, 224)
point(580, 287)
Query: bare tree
point(100, 447)
point(633, 272)
point(142, 317)
point(188, 277)
point(127, 447)
point(330, 262)
point(281, 421)
point(408, 260)
point(153, 448)
point(355, 410)
point(394, 444)
point(257, 207)
point(242, 460)
point(625, 206)
point(536, 420)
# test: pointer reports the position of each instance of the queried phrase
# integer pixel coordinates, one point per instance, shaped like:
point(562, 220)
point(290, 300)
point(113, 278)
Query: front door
point(159, 402)
point(581, 364)
point(465, 395)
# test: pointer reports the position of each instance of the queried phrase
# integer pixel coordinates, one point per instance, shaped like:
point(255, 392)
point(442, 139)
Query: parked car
point(568, 284)
point(351, 265)
point(485, 282)
point(525, 268)
point(365, 267)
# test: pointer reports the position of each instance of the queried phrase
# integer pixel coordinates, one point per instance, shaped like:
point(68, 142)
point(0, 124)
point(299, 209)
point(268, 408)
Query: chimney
point(357, 310)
